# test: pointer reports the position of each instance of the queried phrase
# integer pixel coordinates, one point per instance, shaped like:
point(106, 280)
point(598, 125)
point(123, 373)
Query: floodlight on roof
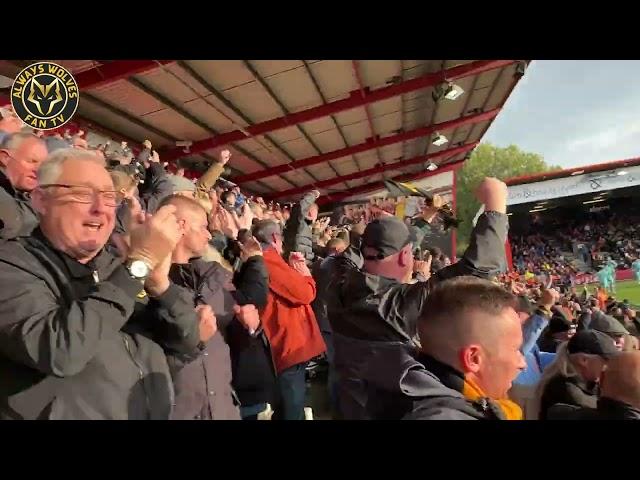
point(439, 140)
point(622, 172)
point(432, 166)
point(453, 91)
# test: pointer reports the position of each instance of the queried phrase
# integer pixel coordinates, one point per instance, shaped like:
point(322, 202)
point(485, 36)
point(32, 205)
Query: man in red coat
point(288, 319)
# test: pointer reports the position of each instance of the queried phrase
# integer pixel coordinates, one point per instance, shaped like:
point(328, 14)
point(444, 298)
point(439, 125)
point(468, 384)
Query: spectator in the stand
point(523, 390)
point(9, 123)
point(559, 330)
point(323, 272)
point(470, 337)
point(78, 337)
point(298, 234)
point(182, 186)
point(20, 156)
point(573, 376)
point(619, 393)
point(609, 326)
point(288, 319)
point(203, 387)
point(377, 306)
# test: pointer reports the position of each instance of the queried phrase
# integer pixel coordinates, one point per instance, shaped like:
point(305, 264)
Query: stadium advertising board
point(575, 185)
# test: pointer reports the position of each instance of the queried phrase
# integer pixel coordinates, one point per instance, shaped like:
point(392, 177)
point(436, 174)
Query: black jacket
point(233, 365)
point(370, 308)
point(404, 384)
point(298, 234)
point(154, 189)
point(607, 409)
point(17, 216)
point(570, 391)
point(75, 343)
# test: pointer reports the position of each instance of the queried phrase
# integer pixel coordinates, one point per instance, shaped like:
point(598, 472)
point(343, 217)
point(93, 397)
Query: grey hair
point(51, 168)
point(14, 140)
point(263, 230)
point(562, 365)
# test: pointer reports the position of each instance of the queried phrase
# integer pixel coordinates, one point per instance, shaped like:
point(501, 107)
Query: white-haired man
point(20, 156)
point(79, 336)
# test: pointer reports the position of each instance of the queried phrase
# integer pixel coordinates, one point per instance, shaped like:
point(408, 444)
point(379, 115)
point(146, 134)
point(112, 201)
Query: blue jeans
point(292, 389)
point(251, 412)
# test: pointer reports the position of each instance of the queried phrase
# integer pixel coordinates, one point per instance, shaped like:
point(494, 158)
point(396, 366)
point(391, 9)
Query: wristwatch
point(138, 269)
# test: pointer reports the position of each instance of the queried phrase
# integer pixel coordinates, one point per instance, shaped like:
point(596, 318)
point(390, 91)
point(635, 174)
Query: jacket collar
point(5, 184)
point(103, 263)
point(448, 376)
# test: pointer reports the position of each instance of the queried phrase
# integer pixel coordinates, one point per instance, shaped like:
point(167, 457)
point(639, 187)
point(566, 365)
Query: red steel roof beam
point(336, 197)
point(368, 145)
point(355, 99)
point(451, 152)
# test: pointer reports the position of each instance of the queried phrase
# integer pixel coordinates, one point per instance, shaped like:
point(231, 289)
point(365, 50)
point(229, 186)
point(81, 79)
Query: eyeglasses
point(86, 194)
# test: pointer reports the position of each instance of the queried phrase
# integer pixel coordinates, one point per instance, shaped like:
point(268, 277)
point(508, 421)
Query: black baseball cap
point(387, 236)
point(592, 342)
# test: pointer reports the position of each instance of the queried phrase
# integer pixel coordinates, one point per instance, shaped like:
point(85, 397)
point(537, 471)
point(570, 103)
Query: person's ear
point(471, 358)
point(182, 225)
point(4, 158)
point(38, 201)
point(404, 257)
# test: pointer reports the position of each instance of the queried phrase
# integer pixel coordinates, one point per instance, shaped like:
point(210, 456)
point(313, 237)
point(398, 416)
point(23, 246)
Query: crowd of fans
point(128, 292)
point(601, 237)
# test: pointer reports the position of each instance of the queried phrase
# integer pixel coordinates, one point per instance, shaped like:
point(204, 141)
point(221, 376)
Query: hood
point(397, 369)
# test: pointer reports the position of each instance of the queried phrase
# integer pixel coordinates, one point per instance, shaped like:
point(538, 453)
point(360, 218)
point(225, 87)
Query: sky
point(573, 112)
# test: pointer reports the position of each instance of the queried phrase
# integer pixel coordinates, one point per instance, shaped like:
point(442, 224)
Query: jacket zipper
point(140, 372)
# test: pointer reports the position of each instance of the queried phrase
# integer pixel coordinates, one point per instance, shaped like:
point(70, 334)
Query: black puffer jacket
point(17, 216)
point(404, 384)
point(370, 308)
point(75, 343)
point(298, 234)
point(569, 391)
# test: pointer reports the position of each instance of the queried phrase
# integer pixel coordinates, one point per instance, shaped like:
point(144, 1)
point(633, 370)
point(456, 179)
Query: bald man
point(470, 336)
point(619, 393)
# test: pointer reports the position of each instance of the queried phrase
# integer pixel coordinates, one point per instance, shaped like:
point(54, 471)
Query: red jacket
point(287, 319)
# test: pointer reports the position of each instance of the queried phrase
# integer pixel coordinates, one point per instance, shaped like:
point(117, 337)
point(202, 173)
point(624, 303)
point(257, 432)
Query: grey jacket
point(17, 216)
point(101, 354)
point(298, 234)
point(370, 308)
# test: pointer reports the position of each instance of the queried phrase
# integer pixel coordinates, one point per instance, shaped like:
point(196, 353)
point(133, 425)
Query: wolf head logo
point(45, 97)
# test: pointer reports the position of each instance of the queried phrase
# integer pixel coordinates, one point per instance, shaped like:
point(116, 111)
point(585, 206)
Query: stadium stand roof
point(292, 125)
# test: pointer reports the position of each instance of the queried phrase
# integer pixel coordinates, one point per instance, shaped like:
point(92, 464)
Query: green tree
point(490, 161)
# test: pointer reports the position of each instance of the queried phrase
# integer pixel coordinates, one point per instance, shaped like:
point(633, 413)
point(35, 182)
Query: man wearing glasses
point(85, 335)
point(20, 156)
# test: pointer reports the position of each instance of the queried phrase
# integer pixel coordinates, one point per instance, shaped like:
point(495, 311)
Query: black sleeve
point(36, 331)
point(252, 283)
point(157, 186)
point(172, 321)
point(485, 256)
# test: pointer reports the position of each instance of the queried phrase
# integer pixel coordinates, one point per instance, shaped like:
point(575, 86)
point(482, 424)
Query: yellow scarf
point(473, 392)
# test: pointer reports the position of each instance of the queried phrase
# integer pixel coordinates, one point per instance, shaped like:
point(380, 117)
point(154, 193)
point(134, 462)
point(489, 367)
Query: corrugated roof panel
point(254, 102)
point(222, 74)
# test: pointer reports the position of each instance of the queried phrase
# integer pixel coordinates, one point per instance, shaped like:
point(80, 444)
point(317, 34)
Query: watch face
point(139, 269)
